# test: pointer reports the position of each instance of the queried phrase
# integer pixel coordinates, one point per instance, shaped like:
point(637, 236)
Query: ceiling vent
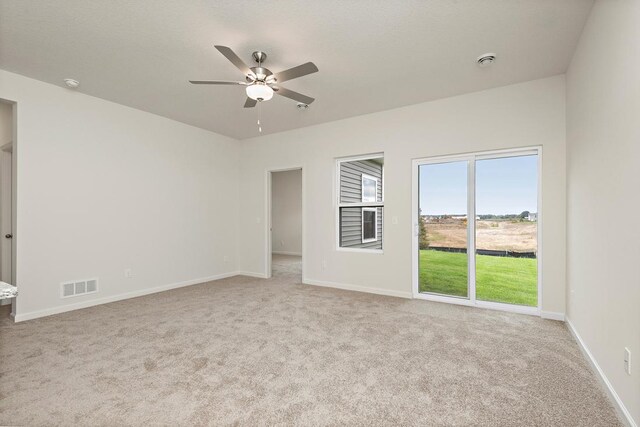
point(71, 83)
point(486, 59)
point(81, 287)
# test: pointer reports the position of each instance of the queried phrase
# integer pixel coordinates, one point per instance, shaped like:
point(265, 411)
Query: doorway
point(285, 224)
point(477, 230)
point(7, 142)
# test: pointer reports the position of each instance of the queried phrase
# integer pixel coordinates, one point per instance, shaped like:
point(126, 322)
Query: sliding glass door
point(476, 229)
point(443, 231)
point(507, 230)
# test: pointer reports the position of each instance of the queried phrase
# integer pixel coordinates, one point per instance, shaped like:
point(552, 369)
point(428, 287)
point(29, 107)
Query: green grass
point(499, 279)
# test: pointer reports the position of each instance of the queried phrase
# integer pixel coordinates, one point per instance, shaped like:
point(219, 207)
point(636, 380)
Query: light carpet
point(244, 351)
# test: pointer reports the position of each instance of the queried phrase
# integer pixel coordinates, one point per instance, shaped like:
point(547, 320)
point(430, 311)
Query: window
point(360, 202)
point(369, 225)
point(369, 188)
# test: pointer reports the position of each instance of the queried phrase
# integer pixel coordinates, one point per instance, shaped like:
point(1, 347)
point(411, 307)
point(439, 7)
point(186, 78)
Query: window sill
point(361, 250)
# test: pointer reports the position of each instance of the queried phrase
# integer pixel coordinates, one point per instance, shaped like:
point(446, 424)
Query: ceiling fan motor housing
point(261, 74)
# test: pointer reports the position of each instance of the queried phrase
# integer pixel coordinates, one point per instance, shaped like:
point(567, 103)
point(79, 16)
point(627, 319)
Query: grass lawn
point(500, 279)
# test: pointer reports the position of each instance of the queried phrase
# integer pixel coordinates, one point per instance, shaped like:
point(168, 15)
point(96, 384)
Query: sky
point(503, 186)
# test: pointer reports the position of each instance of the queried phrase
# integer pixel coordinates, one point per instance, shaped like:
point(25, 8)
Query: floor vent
point(81, 287)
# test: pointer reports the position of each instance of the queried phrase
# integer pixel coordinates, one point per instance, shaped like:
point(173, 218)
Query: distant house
point(361, 181)
point(532, 216)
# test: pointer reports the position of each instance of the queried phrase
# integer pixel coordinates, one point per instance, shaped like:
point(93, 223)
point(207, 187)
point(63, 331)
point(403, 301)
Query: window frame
point(339, 204)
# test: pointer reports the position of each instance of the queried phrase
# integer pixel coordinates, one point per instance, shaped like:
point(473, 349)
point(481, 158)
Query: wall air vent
point(79, 287)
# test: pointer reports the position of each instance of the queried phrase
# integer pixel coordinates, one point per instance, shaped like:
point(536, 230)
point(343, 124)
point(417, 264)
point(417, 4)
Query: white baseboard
point(624, 412)
point(21, 317)
point(251, 274)
point(286, 253)
point(552, 315)
point(357, 288)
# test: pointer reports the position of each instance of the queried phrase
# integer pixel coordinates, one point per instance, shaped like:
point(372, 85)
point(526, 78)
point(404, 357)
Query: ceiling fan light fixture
point(259, 92)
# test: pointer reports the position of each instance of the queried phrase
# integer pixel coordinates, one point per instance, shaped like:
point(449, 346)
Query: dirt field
point(503, 235)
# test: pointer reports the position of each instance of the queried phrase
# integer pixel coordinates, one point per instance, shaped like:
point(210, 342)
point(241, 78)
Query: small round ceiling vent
point(486, 59)
point(71, 83)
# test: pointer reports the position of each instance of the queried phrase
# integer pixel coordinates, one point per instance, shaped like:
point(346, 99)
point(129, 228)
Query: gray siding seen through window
point(351, 173)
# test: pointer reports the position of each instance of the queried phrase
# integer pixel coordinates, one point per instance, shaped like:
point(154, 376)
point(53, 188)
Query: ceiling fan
point(260, 82)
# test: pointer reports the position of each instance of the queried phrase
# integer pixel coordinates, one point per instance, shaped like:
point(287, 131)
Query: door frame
point(471, 204)
point(269, 220)
point(6, 216)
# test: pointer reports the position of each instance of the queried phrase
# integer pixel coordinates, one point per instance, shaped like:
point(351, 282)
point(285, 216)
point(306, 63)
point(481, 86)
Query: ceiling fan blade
point(294, 95)
point(215, 82)
point(250, 103)
point(235, 60)
point(295, 72)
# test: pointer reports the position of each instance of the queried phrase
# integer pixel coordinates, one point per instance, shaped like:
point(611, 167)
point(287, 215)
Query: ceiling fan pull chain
point(259, 116)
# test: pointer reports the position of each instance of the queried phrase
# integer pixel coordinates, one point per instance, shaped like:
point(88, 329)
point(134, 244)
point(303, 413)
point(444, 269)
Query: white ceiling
point(373, 55)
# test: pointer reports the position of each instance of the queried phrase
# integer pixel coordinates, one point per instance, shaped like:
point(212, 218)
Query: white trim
point(251, 274)
point(20, 317)
point(622, 410)
point(360, 205)
point(378, 155)
point(539, 228)
point(357, 288)
point(375, 225)
point(287, 253)
point(361, 250)
point(490, 305)
point(481, 155)
point(471, 229)
point(471, 158)
point(552, 315)
point(512, 308)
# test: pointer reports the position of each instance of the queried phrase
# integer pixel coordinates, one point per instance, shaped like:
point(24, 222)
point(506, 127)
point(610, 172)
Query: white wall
point(603, 239)
point(5, 123)
point(286, 208)
point(103, 187)
point(527, 114)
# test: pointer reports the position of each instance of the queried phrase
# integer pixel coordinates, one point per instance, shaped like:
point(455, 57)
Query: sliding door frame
point(471, 159)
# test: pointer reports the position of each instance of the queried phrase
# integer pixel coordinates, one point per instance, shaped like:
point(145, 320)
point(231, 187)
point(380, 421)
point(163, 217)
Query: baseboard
point(251, 274)
point(21, 317)
point(357, 288)
point(552, 315)
point(622, 410)
point(286, 253)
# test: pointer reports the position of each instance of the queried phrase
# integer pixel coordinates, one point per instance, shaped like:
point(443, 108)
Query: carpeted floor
point(246, 351)
point(286, 266)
